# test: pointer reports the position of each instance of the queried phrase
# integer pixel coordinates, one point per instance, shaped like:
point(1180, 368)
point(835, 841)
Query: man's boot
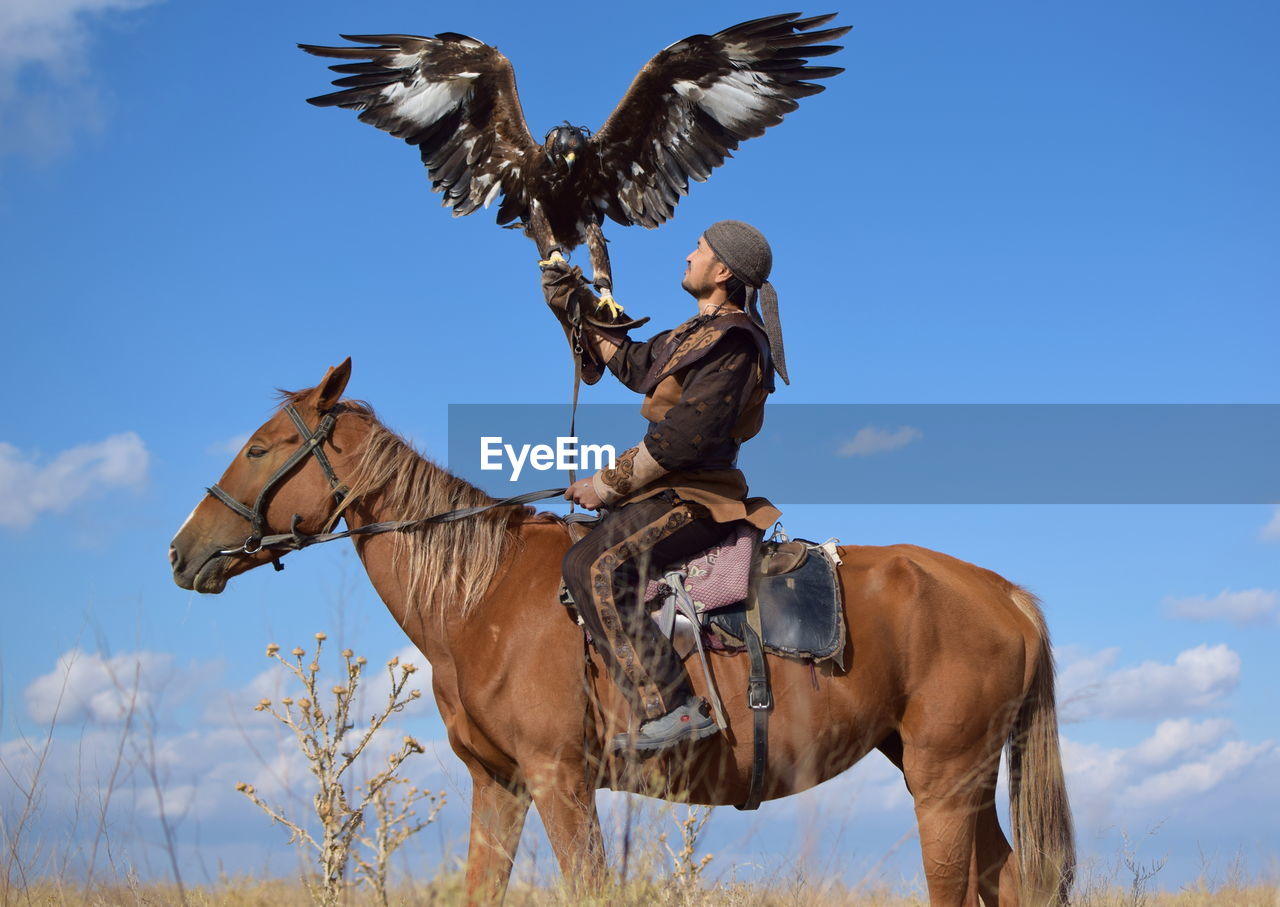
point(685, 723)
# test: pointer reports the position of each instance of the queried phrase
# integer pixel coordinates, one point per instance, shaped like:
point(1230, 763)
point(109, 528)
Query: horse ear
point(329, 391)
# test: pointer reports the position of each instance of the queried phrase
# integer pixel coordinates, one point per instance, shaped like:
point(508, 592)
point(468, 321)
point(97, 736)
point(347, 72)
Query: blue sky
point(995, 203)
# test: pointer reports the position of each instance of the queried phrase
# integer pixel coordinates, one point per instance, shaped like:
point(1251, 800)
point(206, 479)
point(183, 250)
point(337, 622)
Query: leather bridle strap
point(296, 541)
point(311, 442)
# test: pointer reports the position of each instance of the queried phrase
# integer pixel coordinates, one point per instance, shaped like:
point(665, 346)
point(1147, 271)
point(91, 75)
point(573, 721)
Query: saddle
point(704, 600)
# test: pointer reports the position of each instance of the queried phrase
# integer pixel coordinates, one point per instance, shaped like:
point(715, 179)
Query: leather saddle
point(795, 586)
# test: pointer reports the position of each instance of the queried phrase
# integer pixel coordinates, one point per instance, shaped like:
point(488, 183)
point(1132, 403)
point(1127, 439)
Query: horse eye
point(254, 452)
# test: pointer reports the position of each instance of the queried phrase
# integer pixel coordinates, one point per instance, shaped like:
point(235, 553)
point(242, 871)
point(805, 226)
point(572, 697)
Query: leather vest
point(662, 388)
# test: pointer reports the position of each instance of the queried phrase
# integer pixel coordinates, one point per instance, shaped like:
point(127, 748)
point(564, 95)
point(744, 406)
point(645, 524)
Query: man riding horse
point(670, 496)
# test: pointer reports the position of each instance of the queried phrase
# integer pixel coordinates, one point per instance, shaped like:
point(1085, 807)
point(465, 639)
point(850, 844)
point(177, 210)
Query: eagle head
point(563, 146)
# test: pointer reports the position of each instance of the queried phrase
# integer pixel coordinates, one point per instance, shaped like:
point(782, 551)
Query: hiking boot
point(689, 722)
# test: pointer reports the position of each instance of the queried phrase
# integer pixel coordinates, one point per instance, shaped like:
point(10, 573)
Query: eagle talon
point(554, 258)
point(606, 301)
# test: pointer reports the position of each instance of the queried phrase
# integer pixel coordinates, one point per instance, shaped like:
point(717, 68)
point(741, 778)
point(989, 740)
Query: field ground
point(449, 891)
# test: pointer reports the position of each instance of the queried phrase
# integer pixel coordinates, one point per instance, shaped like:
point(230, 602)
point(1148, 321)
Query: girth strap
point(760, 699)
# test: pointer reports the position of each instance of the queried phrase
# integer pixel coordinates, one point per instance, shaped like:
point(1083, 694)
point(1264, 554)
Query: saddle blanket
point(719, 576)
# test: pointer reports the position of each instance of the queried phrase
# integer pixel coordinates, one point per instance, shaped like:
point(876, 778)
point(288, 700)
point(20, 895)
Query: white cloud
point(1180, 739)
point(1197, 777)
point(1249, 606)
point(28, 489)
point(1103, 780)
point(49, 38)
point(1199, 678)
point(873, 440)
point(1271, 531)
point(85, 685)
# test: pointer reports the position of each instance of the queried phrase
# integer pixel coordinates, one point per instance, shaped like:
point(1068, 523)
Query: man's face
point(702, 271)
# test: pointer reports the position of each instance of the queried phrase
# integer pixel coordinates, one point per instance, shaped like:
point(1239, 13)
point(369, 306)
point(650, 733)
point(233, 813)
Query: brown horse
point(950, 662)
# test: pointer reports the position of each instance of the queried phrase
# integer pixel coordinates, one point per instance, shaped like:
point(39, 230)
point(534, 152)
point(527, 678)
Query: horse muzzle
point(206, 574)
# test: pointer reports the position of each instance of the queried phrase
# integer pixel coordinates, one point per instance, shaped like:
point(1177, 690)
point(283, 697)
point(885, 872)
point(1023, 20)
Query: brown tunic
point(705, 384)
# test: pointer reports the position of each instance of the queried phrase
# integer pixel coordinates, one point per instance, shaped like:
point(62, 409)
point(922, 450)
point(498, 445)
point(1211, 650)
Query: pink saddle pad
point(718, 576)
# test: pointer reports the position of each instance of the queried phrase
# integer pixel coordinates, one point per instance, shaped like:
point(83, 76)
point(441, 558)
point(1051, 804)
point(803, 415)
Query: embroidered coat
point(705, 385)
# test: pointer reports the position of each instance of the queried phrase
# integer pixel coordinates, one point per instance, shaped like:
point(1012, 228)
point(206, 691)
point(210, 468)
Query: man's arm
point(569, 296)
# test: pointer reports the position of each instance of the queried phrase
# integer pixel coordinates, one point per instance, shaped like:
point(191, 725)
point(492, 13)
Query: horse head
point(280, 481)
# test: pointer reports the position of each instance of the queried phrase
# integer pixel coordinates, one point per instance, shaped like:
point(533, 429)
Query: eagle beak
point(570, 158)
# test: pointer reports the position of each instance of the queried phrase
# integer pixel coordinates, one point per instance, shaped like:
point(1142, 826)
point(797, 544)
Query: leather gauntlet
point(571, 300)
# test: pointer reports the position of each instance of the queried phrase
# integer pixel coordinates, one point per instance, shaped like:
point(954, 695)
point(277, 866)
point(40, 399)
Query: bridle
point(294, 540)
point(311, 445)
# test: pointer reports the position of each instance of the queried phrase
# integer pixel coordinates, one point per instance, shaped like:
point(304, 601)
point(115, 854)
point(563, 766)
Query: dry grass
point(448, 890)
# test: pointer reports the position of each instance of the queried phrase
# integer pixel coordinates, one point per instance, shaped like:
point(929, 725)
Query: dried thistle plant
point(686, 871)
point(322, 735)
point(394, 822)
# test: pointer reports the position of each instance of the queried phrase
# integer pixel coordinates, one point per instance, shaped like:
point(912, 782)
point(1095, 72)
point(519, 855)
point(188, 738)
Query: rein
point(294, 540)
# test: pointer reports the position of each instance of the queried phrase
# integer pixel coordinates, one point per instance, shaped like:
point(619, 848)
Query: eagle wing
point(452, 96)
point(695, 101)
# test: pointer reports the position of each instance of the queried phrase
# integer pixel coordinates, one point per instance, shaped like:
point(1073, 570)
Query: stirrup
point(683, 724)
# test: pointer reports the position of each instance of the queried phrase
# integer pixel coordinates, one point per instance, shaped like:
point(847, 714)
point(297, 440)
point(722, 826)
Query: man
point(671, 495)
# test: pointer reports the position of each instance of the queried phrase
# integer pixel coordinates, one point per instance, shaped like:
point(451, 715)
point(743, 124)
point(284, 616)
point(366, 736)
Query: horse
point(951, 664)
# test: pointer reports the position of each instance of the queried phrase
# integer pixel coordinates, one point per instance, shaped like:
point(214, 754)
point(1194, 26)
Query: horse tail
point(1040, 814)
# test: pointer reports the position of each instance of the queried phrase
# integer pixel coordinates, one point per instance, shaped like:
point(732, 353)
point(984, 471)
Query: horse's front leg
point(567, 806)
point(498, 810)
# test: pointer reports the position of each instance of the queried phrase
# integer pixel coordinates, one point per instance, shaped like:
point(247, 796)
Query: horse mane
point(448, 566)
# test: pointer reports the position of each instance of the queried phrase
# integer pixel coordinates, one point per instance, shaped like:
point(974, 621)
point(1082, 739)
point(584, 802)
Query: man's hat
point(746, 253)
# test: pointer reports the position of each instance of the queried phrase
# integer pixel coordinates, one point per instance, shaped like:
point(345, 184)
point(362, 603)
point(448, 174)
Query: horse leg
point(995, 875)
point(498, 811)
point(948, 788)
point(567, 806)
point(573, 828)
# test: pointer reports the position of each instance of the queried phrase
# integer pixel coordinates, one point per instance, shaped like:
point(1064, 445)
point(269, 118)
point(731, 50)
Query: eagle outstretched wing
point(695, 101)
point(452, 96)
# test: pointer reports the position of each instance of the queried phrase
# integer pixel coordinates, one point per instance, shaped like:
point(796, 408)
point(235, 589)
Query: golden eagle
point(688, 108)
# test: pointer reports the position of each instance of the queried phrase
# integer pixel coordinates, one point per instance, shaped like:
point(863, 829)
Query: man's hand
point(583, 493)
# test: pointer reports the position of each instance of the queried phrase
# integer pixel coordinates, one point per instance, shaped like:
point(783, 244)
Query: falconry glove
point(574, 304)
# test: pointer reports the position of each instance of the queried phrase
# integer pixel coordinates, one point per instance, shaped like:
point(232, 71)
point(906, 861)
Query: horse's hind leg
point(498, 811)
point(948, 788)
point(994, 874)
